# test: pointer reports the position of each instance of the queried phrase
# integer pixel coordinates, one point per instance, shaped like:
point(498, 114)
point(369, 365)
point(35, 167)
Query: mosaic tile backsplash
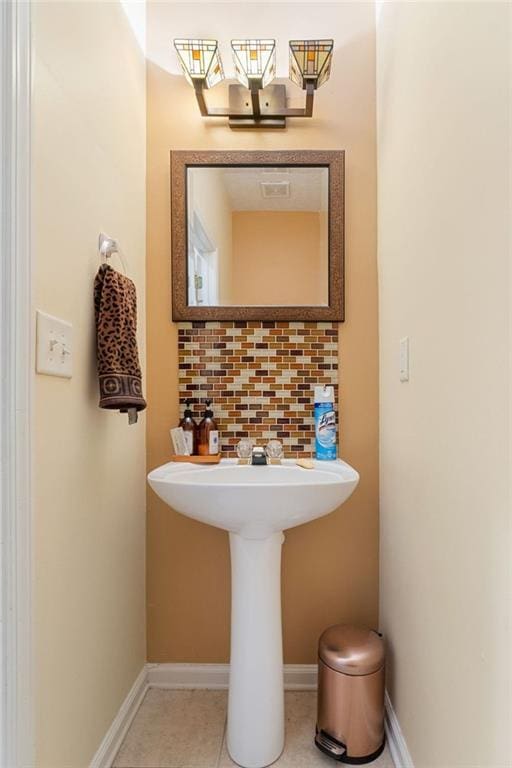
point(260, 377)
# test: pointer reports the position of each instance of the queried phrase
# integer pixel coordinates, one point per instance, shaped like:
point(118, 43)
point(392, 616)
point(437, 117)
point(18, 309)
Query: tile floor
point(186, 729)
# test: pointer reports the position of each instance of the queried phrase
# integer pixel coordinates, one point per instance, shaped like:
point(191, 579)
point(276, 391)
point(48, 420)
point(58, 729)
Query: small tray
point(198, 459)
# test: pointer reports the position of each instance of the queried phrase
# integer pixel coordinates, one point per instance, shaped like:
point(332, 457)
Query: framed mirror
point(257, 235)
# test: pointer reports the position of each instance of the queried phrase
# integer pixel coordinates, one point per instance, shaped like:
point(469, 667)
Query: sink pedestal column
point(255, 733)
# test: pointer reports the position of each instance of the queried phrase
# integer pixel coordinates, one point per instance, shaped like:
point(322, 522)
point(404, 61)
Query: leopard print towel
point(115, 305)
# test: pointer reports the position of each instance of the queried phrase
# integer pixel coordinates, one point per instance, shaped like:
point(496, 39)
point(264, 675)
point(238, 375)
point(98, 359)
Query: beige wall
point(444, 249)
point(88, 176)
point(330, 568)
point(277, 258)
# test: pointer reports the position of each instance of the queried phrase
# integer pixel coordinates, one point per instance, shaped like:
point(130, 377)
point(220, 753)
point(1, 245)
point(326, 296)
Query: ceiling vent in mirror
point(275, 188)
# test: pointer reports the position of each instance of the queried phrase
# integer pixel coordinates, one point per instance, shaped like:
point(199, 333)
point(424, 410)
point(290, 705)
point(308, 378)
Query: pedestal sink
point(255, 504)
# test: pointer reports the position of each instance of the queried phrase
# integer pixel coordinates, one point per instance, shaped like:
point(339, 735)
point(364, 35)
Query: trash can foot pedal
point(338, 751)
point(329, 745)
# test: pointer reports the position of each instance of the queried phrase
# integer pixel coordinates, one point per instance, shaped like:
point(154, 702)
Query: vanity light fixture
point(255, 67)
point(310, 62)
point(255, 62)
point(200, 61)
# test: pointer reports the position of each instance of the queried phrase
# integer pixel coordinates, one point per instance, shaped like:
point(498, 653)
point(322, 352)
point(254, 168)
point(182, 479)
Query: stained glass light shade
point(310, 60)
point(254, 60)
point(200, 60)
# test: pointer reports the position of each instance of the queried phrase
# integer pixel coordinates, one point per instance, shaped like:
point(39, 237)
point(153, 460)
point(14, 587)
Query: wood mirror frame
point(333, 160)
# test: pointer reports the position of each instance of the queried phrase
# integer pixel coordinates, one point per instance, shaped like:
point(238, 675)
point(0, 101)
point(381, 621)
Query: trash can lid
point(351, 650)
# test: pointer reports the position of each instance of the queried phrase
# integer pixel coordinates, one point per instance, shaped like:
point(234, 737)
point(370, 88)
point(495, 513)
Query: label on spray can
point(325, 424)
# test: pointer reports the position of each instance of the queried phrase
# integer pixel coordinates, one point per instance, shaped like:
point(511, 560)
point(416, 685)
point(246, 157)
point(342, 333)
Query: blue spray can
point(325, 423)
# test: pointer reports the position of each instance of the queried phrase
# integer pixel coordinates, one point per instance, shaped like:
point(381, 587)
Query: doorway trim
point(16, 337)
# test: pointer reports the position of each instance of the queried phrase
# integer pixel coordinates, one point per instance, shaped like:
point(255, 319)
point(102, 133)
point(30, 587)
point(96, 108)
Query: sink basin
point(254, 501)
point(255, 504)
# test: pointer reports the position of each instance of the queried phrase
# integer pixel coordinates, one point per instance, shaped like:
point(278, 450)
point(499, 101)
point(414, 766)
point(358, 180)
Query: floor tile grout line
point(224, 730)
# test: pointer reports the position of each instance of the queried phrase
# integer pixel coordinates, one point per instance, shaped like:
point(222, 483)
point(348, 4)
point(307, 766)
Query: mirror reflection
point(258, 236)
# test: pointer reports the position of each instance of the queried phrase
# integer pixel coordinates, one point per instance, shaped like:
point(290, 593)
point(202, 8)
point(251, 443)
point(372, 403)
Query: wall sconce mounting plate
point(272, 107)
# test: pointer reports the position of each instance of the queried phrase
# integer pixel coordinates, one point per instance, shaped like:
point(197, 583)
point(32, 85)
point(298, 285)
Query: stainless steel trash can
point(350, 721)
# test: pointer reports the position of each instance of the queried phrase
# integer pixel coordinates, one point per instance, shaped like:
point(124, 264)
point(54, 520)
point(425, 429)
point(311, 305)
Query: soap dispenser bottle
point(208, 438)
point(189, 427)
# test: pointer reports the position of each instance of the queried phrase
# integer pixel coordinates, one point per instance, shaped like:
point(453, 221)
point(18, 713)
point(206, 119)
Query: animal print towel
point(115, 305)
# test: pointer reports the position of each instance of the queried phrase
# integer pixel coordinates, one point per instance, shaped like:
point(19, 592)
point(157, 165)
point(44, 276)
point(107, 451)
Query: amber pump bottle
point(208, 439)
point(189, 427)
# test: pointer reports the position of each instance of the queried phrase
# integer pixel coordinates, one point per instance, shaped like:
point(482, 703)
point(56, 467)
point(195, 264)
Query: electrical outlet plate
point(54, 346)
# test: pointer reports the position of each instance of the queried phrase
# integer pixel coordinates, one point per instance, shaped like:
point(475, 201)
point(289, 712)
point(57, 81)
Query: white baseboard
point(395, 738)
point(109, 747)
point(300, 677)
point(297, 677)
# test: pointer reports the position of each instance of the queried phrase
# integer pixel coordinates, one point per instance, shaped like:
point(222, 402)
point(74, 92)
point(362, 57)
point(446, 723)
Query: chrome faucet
point(258, 455)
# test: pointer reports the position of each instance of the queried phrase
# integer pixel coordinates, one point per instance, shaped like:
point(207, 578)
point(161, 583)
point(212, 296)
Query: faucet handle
point(244, 448)
point(274, 451)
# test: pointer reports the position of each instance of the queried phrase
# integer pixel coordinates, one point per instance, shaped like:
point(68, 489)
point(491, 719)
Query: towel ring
point(107, 247)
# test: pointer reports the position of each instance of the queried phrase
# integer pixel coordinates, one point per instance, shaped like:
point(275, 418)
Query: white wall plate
point(54, 346)
point(404, 359)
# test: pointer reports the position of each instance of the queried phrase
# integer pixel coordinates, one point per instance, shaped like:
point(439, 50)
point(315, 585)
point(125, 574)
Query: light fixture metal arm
point(201, 101)
point(261, 117)
point(310, 95)
point(255, 100)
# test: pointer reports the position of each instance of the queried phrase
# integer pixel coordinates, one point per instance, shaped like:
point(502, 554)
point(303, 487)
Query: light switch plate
point(404, 359)
point(54, 346)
